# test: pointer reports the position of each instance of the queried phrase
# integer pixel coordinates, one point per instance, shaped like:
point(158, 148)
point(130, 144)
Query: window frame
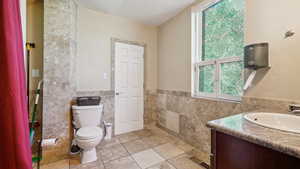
point(197, 23)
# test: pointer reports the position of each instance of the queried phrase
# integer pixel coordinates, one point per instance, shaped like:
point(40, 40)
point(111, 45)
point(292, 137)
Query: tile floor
point(150, 148)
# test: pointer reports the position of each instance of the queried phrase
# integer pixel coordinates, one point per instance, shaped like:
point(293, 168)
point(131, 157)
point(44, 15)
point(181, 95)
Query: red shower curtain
point(15, 150)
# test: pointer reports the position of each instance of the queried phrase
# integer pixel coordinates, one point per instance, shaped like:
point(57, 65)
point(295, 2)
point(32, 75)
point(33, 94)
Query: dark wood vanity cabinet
point(230, 152)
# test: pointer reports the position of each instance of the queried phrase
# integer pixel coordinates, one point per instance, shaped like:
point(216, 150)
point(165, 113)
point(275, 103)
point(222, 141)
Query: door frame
point(113, 74)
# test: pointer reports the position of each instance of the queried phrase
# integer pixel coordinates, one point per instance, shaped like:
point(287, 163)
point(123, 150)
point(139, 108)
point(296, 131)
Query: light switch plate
point(104, 75)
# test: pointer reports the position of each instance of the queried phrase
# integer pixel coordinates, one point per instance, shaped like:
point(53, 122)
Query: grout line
point(165, 161)
point(101, 159)
point(135, 162)
point(118, 157)
point(150, 148)
point(159, 154)
point(172, 165)
point(125, 148)
point(130, 155)
point(138, 137)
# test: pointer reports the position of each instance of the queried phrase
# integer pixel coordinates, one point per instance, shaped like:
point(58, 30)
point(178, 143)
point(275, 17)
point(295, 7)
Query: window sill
point(216, 99)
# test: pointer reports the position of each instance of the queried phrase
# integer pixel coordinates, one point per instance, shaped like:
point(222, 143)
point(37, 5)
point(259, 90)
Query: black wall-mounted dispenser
point(256, 56)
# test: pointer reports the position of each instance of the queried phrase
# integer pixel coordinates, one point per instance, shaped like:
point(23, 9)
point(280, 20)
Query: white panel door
point(129, 87)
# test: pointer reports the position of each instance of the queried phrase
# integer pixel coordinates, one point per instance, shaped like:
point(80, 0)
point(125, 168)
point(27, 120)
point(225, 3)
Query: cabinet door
point(233, 153)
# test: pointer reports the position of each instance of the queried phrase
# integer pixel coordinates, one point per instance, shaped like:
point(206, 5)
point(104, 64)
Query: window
point(218, 49)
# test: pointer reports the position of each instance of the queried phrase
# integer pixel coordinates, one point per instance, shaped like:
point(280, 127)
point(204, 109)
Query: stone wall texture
point(60, 50)
point(150, 106)
point(195, 113)
point(108, 100)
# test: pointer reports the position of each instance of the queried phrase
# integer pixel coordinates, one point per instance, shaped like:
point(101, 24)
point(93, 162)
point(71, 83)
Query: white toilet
point(87, 119)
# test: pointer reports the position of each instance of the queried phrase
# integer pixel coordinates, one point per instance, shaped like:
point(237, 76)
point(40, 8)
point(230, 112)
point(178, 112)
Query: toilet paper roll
point(49, 142)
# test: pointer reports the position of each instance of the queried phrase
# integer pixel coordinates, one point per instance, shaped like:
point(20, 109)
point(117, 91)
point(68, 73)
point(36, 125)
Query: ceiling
point(150, 12)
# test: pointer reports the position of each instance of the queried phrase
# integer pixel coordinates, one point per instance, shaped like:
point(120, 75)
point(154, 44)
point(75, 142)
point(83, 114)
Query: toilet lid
point(89, 132)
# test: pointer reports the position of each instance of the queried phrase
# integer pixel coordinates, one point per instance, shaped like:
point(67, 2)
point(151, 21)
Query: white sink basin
point(283, 122)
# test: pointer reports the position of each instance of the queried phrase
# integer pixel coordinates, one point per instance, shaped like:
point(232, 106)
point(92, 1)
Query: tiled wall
point(150, 106)
point(60, 50)
point(195, 113)
point(108, 100)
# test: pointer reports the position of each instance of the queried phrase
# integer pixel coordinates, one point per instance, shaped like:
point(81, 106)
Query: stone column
point(60, 28)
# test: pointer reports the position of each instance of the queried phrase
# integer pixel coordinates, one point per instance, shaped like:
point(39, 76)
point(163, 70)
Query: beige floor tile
point(155, 140)
point(173, 139)
point(183, 146)
point(136, 146)
point(108, 143)
point(183, 162)
point(200, 155)
point(113, 152)
point(147, 158)
point(157, 131)
point(123, 138)
point(63, 164)
point(168, 150)
point(75, 164)
point(144, 133)
point(163, 165)
point(122, 163)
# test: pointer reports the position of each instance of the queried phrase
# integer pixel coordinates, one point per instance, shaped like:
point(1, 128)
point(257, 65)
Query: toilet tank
point(87, 116)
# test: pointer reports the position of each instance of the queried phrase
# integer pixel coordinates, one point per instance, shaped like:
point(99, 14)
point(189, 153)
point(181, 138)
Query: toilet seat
point(87, 133)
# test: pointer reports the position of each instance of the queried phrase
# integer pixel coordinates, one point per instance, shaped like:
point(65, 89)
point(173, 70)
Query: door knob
point(117, 93)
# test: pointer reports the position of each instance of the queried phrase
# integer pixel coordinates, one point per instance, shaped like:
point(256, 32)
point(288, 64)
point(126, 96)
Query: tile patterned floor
point(150, 148)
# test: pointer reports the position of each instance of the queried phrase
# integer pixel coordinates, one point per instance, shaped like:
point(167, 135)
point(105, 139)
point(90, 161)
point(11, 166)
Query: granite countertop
point(288, 143)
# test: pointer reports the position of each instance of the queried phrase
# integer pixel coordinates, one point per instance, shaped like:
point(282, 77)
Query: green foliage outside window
point(206, 76)
point(231, 78)
point(223, 36)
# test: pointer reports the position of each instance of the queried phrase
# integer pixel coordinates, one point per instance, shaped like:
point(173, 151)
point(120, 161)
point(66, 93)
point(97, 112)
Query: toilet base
point(88, 156)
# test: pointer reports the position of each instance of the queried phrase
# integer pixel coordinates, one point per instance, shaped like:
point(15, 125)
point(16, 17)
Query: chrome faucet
point(294, 108)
